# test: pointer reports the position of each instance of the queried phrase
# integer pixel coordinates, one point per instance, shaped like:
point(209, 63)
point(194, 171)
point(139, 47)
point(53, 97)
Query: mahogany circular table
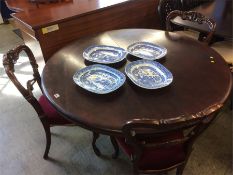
point(202, 83)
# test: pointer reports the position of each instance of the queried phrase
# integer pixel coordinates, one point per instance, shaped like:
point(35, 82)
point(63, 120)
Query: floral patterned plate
point(147, 51)
point(148, 74)
point(104, 54)
point(99, 79)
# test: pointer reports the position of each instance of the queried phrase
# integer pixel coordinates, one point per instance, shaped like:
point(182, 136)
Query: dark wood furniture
point(48, 116)
point(202, 83)
point(27, 5)
point(196, 18)
point(225, 48)
point(166, 6)
point(158, 148)
point(46, 30)
point(37, 2)
point(218, 10)
point(190, 4)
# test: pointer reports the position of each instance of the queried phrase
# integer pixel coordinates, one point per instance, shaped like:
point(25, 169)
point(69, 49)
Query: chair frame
point(165, 7)
point(134, 127)
point(9, 59)
point(193, 16)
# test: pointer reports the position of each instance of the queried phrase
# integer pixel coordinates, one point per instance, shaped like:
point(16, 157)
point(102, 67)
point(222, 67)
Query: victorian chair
point(196, 18)
point(165, 7)
point(48, 116)
point(224, 48)
point(156, 147)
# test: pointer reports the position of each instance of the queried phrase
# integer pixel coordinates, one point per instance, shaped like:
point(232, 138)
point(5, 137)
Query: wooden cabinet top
point(51, 14)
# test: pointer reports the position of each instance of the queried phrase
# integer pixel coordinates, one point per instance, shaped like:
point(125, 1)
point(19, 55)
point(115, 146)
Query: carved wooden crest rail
point(193, 17)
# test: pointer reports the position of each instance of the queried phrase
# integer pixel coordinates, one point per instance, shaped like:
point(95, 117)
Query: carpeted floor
point(22, 139)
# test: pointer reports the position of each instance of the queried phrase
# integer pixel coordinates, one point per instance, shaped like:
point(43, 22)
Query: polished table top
point(220, 11)
point(201, 83)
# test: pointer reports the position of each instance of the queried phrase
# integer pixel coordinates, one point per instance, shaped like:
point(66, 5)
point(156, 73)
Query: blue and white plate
point(99, 79)
point(104, 54)
point(147, 51)
point(148, 74)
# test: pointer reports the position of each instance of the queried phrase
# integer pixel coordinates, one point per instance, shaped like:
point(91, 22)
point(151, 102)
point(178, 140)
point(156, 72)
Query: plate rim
point(86, 57)
point(115, 71)
point(151, 62)
point(149, 43)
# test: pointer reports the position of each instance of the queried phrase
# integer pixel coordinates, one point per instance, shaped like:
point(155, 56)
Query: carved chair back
point(9, 61)
point(137, 129)
point(194, 17)
point(165, 7)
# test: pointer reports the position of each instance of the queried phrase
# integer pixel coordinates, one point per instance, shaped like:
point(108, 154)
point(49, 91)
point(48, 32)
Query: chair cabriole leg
point(48, 139)
point(116, 147)
point(96, 150)
point(180, 169)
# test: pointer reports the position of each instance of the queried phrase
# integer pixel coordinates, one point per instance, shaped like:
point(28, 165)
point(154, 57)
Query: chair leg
point(231, 107)
point(48, 139)
point(231, 100)
point(116, 147)
point(201, 36)
point(180, 169)
point(95, 148)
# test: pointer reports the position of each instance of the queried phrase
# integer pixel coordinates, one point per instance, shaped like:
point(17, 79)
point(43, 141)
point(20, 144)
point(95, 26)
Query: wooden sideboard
point(47, 29)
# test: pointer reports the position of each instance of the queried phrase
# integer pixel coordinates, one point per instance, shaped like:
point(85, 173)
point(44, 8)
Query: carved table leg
point(96, 150)
point(116, 147)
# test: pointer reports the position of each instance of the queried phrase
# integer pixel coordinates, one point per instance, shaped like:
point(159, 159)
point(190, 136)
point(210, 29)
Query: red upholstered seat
point(51, 113)
point(157, 158)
